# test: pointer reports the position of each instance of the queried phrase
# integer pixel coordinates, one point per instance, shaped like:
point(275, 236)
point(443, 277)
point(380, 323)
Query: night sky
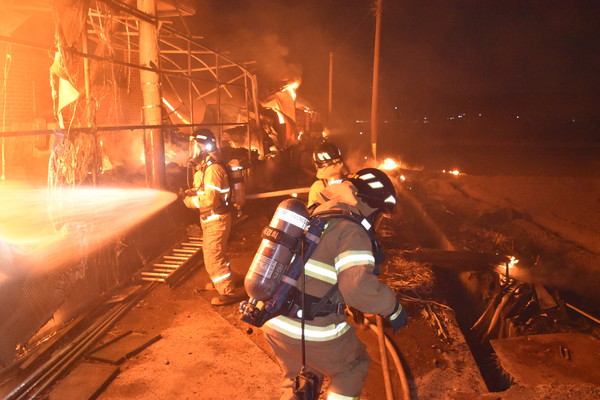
point(438, 57)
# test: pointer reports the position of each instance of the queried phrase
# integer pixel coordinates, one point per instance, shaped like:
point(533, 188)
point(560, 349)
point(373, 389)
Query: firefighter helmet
point(375, 188)
point(326, 154)
point(206, 138)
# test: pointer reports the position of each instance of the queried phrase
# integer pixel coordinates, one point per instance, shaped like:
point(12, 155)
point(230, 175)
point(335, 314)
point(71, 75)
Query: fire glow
point(291, 88)
point(389, 164)
point(41, 229)
point(454, 172)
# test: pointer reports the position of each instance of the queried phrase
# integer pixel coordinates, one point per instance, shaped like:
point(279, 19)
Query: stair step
point(187, 251)
point(171, 266)
point(192, 244)
point(147, 278)
point(163, 274)
point(162, 270)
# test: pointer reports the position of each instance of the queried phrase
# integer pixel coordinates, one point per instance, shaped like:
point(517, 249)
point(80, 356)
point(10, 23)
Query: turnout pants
point(215, 234)
point(343, 359)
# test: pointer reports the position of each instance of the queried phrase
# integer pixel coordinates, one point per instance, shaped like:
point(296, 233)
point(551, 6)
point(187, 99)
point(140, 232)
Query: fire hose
point(378, 330)
point(277, 193)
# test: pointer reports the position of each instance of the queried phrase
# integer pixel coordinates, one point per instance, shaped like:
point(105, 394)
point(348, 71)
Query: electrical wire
point(364, 18)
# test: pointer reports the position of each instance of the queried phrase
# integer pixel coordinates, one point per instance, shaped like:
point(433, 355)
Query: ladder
point(175, 262)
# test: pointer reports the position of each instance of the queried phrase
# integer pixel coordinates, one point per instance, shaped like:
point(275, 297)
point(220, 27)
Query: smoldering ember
point(485, 119)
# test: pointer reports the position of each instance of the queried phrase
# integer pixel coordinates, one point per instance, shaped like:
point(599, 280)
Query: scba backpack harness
point(286, 298)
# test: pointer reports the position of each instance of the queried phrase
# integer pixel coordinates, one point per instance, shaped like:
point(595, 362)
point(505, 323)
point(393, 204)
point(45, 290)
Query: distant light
point(360, 133)
point(518, 117)
point(395, 107)
point(365, 157)
point(460, 116)
point(480, 115)
point(294, 194)
point(454, 172)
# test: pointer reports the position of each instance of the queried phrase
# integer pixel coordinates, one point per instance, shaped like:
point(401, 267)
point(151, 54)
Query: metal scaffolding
point(194, 85)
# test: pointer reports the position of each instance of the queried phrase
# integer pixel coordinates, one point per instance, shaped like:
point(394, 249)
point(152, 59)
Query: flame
point(280, 116)
point(388, 164)
point(170, 155)
point(291, 88)
point(509, 268)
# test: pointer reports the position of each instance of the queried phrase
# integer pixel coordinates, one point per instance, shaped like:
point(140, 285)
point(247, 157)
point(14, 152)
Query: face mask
point(199, 150)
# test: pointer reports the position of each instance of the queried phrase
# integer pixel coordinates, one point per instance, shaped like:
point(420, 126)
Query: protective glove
point(398, 318)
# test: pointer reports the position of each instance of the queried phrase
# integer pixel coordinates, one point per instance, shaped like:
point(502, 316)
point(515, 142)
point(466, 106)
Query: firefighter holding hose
point(211, 195)
point(342, 269)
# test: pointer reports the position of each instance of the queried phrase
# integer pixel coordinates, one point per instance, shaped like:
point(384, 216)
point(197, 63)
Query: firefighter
point(344, 257)
point(331, 169)
point(210, 195)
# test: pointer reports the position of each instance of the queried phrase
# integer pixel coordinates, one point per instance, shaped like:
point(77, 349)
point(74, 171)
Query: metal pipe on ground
point(69, 353)
point(64, 362)
point(85, 346)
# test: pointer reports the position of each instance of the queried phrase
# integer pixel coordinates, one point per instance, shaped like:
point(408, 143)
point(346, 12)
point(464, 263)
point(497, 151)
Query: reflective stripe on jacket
point(292, 327)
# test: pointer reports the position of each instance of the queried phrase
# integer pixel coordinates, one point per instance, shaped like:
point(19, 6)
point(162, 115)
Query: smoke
point(41, 229)
point(249, 32)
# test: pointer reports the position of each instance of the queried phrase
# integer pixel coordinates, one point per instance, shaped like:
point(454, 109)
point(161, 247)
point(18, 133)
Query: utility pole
point(154, 145)
point(378, 10)
point(330, 103)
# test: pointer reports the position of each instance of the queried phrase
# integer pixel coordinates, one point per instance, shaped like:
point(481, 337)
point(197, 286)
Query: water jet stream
point(42, 228)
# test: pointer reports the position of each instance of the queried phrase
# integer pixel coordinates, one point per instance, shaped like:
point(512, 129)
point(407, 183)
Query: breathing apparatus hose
point(395, 357)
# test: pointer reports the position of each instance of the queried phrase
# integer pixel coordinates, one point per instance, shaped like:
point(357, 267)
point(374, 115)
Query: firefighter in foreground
point(347, 256)
point(210, 194)
point(331, 169)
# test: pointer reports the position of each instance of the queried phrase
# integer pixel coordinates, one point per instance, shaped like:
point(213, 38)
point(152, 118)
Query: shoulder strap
point(349, 215)
point(317, 307)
